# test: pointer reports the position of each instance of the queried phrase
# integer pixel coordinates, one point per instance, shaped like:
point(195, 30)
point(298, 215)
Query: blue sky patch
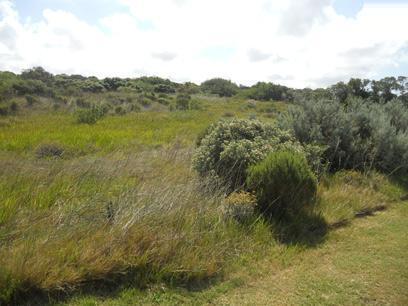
point(88, 10)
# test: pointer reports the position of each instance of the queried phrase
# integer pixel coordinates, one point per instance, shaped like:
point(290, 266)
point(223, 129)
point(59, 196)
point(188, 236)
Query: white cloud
point(295, 42)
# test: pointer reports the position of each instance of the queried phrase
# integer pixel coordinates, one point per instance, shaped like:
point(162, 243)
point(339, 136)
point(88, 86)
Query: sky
point(298, 43)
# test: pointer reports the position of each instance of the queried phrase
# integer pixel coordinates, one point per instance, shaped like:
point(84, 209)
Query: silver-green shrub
point(358, 135)
point(227, 148)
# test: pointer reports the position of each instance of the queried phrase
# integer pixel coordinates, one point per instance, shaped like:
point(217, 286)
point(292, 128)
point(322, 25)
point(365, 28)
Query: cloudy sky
point(293, 42)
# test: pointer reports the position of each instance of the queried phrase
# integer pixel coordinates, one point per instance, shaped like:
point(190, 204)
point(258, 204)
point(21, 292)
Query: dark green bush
point(164, 88)
point(13, 107)
point(135, 108)
point(183, 102)
point(283, 183)
point(228, 114)
point(31, 100)
point(269, 91)
point(119, 110)
point(163, 101)
point(4, 110)
point(221, 87)
point(81, 102)
point(49, 150)
point(91, 115)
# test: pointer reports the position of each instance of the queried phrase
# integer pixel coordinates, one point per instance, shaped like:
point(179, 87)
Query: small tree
point(221, 87)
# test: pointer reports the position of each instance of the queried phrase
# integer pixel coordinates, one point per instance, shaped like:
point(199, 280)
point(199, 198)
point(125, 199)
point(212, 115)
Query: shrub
point(283, 183)
point(221, 87)
point(164, 88)
point(13, 107)
point(183, 101)
point(49, 150)
point(227, 148)
point(239, 206)
point(228, 114)
point(81, 102)
point(196, 105)
point(31, 100)
point(163, 101)
point(135, 108)
point(143, 100)
point(91, 115)
point(269, 91)
point(119, 110)
point(4, 110)
point(358, 135)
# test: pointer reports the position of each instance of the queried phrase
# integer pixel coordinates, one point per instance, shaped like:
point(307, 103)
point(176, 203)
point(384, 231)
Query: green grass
point(364, 263)
point(122, 218)
point(133, 131)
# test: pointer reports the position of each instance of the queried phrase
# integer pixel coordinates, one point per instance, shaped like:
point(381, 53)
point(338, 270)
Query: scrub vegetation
point(146, 191)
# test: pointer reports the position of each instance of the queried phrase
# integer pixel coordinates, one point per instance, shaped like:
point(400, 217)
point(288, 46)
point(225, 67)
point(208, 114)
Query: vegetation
point(100, 204)
point(93, 114)
point(359, 136)
point(239, 206)
point(283, 183)
point(228, 148)
point(221, 87)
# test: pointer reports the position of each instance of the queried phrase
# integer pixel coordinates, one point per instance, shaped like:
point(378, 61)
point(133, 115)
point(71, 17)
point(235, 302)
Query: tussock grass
point(122, 205)
point(347, 193)
point(138, 218)
point(68, 223)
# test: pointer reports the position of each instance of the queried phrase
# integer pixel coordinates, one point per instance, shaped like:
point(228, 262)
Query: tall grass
point(135, 212)
point(69, 223)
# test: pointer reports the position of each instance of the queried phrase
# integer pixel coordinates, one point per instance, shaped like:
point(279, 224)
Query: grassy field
point(123, 219)
point(361, 264)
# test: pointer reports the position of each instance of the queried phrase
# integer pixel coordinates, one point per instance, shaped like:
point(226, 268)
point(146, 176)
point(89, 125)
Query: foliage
point(49, 150)
point(31, 100)
point(269, 91)
point(119, 110)
point(183, 101)
point(164, 88)
point(283, 183)
point(90, 115)
point(221, 87)
point(227, 148)
point(4, 110)
point(357, 135)
point(190, 88)
point(8, 108)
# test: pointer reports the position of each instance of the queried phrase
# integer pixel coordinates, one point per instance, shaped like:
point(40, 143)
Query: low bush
point(135, 108)
point(81, 102)
point(31, 100)
point(4, 110)
point(358, 135)
point(227, 148)
point(228, 114)
point(9, 108)
point(49, 150)
point(91, 115)
point(14, 107)
point(183, 102)
point(163, 101)
point(221, 87)
point(283, 183)
point(119, 110)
